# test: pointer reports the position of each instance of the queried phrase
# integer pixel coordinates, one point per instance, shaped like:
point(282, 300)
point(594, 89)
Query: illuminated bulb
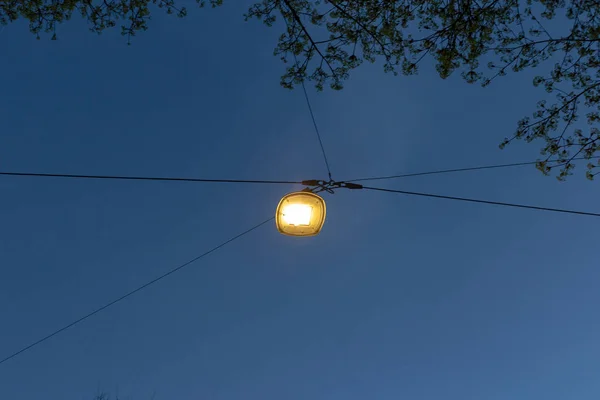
point(297, 214)
point(300, 214)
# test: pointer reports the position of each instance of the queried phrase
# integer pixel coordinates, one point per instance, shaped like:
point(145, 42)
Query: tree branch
point(309, 37)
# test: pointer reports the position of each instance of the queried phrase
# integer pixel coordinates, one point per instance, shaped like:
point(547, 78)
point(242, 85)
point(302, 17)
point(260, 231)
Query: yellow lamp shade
point(300, 214)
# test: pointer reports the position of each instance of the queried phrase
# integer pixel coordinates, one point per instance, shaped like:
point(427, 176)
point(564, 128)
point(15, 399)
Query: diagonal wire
point(315, 125)
point(140, 178)
point(446, 171)
point(312, 115)
point(497, 203)
point(140, 288)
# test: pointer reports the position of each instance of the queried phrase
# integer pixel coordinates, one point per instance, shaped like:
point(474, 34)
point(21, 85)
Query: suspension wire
point(315, 125)
point(123, 297)
point(312, 115)
point(142, 178)
point(497, 203)
point(204, 180)
point(446, 171)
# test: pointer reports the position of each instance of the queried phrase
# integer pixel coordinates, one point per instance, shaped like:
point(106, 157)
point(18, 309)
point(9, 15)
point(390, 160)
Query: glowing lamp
point(300, 214)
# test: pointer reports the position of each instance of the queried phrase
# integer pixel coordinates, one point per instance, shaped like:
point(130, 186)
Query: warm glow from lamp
point(296, 214)
point(300, 214)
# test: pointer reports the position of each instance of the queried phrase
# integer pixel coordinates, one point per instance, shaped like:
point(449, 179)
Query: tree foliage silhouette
point(324, 40)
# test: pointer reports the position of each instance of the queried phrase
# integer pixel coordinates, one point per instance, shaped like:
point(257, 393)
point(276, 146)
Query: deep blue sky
point(398, 298)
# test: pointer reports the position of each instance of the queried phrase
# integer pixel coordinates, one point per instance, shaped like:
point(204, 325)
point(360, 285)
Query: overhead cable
point(142, 178)
point(446, 171)
point(312, 115)
point(497, 203)
point(128, 294)
point(316, 128)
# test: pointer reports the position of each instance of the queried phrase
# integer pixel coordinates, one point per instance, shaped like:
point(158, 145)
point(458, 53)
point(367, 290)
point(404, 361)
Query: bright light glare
point(297, 214)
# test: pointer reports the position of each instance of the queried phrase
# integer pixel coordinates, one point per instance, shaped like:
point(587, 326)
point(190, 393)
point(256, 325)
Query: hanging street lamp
point(300, 214)
point(303, 213)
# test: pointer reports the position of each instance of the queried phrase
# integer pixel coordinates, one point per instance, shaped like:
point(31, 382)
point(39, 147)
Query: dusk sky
point(398, 298)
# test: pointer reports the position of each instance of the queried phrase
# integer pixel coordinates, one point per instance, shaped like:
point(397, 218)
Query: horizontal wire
point(144, 286)
point(141, 178)
point(446, 171)
point(497, 203)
